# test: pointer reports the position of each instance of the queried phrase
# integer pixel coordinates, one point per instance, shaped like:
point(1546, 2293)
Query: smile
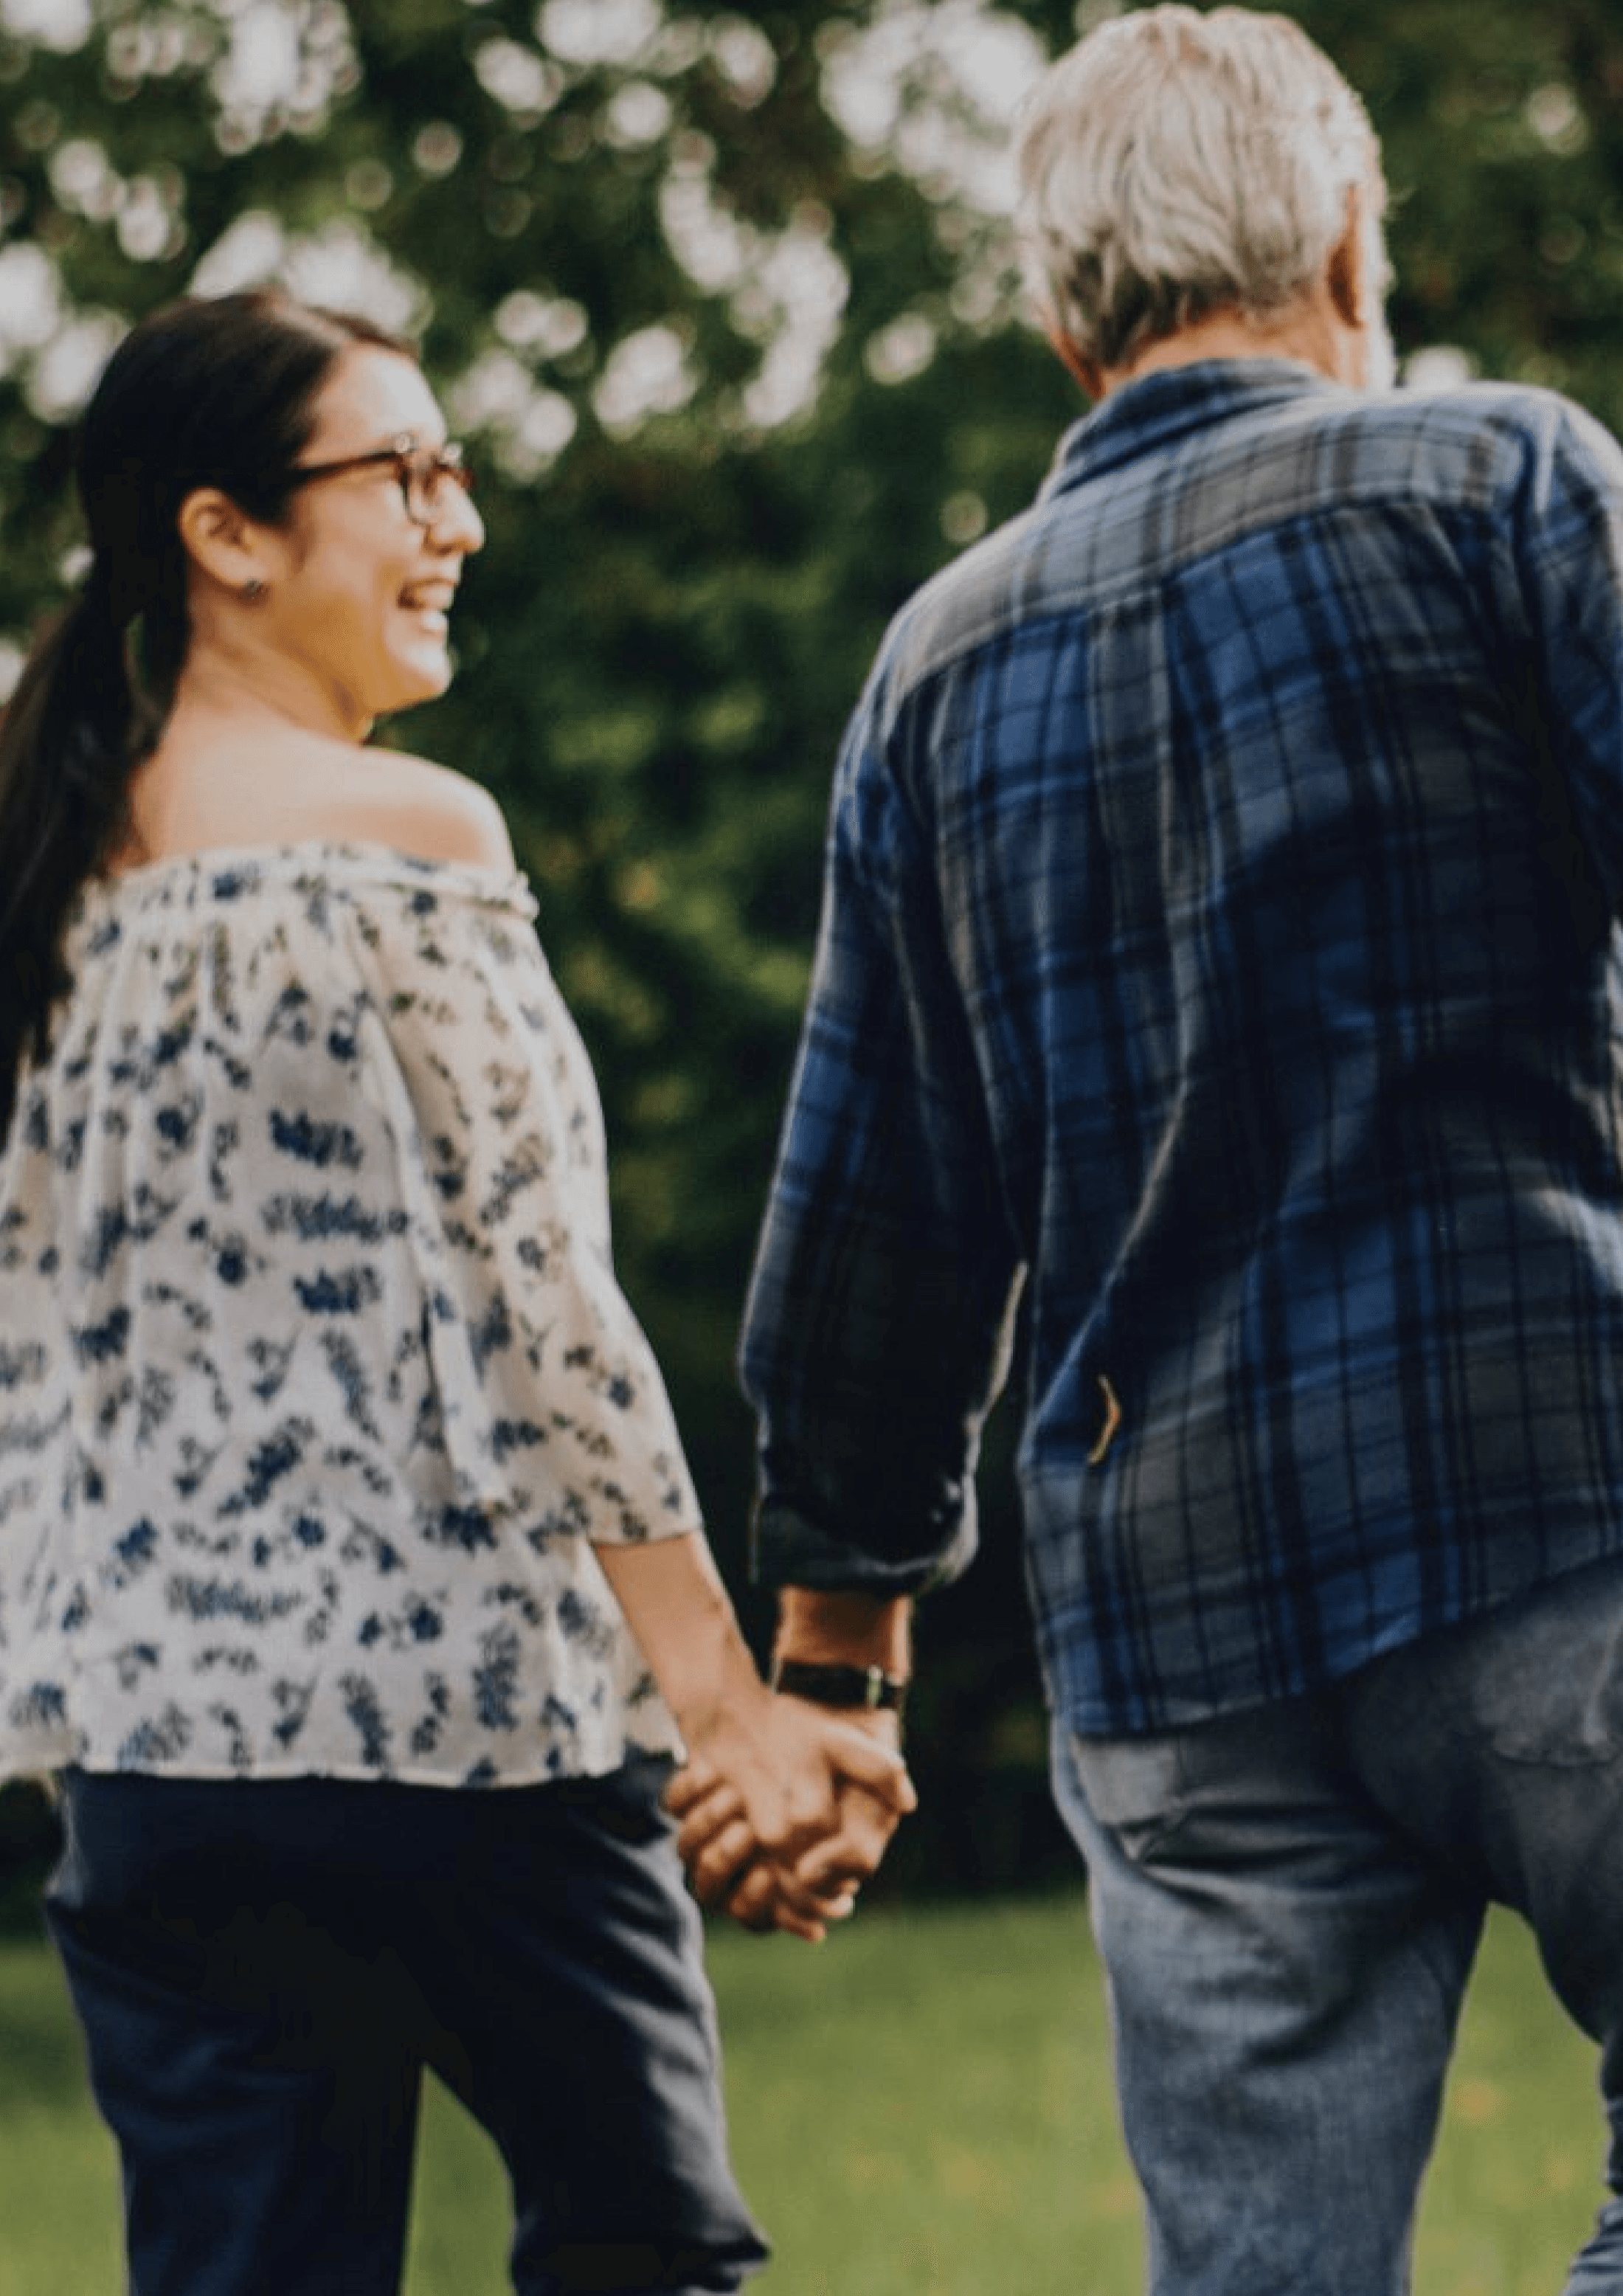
point(431, 599)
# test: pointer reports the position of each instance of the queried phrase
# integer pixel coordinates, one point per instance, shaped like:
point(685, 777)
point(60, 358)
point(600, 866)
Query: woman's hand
point(791, 1855)
point(807, 1797)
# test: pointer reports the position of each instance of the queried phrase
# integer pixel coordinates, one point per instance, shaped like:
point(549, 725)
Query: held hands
point(785, 1807)
point(785, 1810)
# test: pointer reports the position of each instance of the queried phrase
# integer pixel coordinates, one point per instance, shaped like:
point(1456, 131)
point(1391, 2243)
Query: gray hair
point(1175, 163)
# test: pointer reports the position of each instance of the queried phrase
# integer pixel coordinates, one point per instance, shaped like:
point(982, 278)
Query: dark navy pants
point(263, 1970)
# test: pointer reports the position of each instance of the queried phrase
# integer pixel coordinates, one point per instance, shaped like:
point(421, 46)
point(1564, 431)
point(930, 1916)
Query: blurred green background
point(723, 303)
point(922, 2107)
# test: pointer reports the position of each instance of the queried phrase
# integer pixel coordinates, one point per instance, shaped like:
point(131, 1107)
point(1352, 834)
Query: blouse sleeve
point(550, 1402)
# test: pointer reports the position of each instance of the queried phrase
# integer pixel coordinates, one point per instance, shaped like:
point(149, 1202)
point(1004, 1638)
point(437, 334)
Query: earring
point(253, 590)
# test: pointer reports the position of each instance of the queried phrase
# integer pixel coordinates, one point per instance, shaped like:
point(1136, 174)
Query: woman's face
point(359, 601)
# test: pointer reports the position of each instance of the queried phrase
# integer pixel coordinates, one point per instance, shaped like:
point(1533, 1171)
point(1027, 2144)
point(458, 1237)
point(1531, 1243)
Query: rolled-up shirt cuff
point(789, 1549)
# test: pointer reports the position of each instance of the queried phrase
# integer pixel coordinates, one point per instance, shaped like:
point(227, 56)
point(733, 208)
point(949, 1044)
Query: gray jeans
point(1288, 1903)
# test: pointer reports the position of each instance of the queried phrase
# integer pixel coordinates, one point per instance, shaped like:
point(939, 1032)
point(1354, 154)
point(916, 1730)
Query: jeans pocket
point(1133, 1788)
point(1544, 1676)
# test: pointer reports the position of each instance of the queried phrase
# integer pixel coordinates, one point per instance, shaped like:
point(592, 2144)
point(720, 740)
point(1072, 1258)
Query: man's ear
point(220, 540)
point(1346, 275)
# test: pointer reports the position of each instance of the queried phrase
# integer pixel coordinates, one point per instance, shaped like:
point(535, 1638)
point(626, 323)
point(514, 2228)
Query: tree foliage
point(723, 303)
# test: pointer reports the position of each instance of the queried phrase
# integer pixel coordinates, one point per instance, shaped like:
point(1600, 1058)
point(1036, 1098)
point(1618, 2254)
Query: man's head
point(1177, 165)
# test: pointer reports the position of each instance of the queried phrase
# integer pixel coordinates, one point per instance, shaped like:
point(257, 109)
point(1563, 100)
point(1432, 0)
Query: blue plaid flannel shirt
point(1220, 959)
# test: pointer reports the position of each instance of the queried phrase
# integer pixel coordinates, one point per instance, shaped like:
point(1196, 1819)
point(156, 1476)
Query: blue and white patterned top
point(316, 1383)
point(1222, 925)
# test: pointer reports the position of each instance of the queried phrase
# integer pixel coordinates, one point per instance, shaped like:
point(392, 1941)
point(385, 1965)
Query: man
point(1221, 937)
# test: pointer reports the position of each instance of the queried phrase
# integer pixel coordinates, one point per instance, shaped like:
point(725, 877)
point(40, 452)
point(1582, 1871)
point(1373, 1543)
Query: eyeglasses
point(424, 474)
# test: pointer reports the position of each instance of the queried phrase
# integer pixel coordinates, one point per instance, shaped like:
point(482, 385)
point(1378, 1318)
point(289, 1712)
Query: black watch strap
point(868, 1688)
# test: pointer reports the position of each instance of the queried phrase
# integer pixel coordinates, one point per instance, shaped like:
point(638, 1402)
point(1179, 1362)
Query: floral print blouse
point(316, 1383)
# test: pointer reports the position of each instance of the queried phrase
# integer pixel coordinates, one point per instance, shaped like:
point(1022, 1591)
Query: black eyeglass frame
point(410, 460)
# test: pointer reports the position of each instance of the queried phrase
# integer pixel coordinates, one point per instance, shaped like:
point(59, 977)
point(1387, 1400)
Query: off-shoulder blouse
point(315, 1382)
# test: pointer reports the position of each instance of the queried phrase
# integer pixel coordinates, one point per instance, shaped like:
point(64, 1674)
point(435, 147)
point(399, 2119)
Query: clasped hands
point(785, 1808)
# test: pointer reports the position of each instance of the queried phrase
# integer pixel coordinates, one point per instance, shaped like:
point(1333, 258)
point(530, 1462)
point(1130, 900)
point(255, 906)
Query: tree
point(723, 303)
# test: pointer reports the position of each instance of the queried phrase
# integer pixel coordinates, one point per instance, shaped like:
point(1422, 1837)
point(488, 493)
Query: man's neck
point(1303, 333)
point(1312, 331)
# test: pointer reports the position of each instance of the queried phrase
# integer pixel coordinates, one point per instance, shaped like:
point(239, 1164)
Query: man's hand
point(787, 1764)
point(809, 1876)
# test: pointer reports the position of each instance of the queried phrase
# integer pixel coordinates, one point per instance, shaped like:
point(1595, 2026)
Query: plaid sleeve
point(1568, 574)
point(875, 1333)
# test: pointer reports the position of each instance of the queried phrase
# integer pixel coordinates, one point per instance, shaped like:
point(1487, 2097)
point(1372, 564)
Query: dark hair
point(211, 391)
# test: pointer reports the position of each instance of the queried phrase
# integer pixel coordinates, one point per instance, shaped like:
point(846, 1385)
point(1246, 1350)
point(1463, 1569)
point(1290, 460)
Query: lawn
point(921, 2108)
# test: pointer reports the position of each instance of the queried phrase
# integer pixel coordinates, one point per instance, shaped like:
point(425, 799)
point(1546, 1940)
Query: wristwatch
point(868, 1688)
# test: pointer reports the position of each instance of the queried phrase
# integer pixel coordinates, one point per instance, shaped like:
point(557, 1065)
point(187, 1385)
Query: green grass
point(920, 2108)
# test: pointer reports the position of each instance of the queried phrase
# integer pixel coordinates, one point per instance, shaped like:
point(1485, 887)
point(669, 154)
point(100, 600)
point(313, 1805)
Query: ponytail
point(68, 746)
point(209, 391)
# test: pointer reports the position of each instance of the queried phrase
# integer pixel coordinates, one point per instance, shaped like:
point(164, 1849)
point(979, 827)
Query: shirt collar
point(1166, 405)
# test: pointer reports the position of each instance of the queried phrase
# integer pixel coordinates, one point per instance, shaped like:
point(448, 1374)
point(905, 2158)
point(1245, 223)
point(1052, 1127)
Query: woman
point(327, 1442)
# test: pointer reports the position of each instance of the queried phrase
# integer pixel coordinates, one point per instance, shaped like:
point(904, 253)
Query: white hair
point(1175, 163)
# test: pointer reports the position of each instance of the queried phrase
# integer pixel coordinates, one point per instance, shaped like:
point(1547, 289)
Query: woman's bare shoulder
point(416, 807)
point(302, 788)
